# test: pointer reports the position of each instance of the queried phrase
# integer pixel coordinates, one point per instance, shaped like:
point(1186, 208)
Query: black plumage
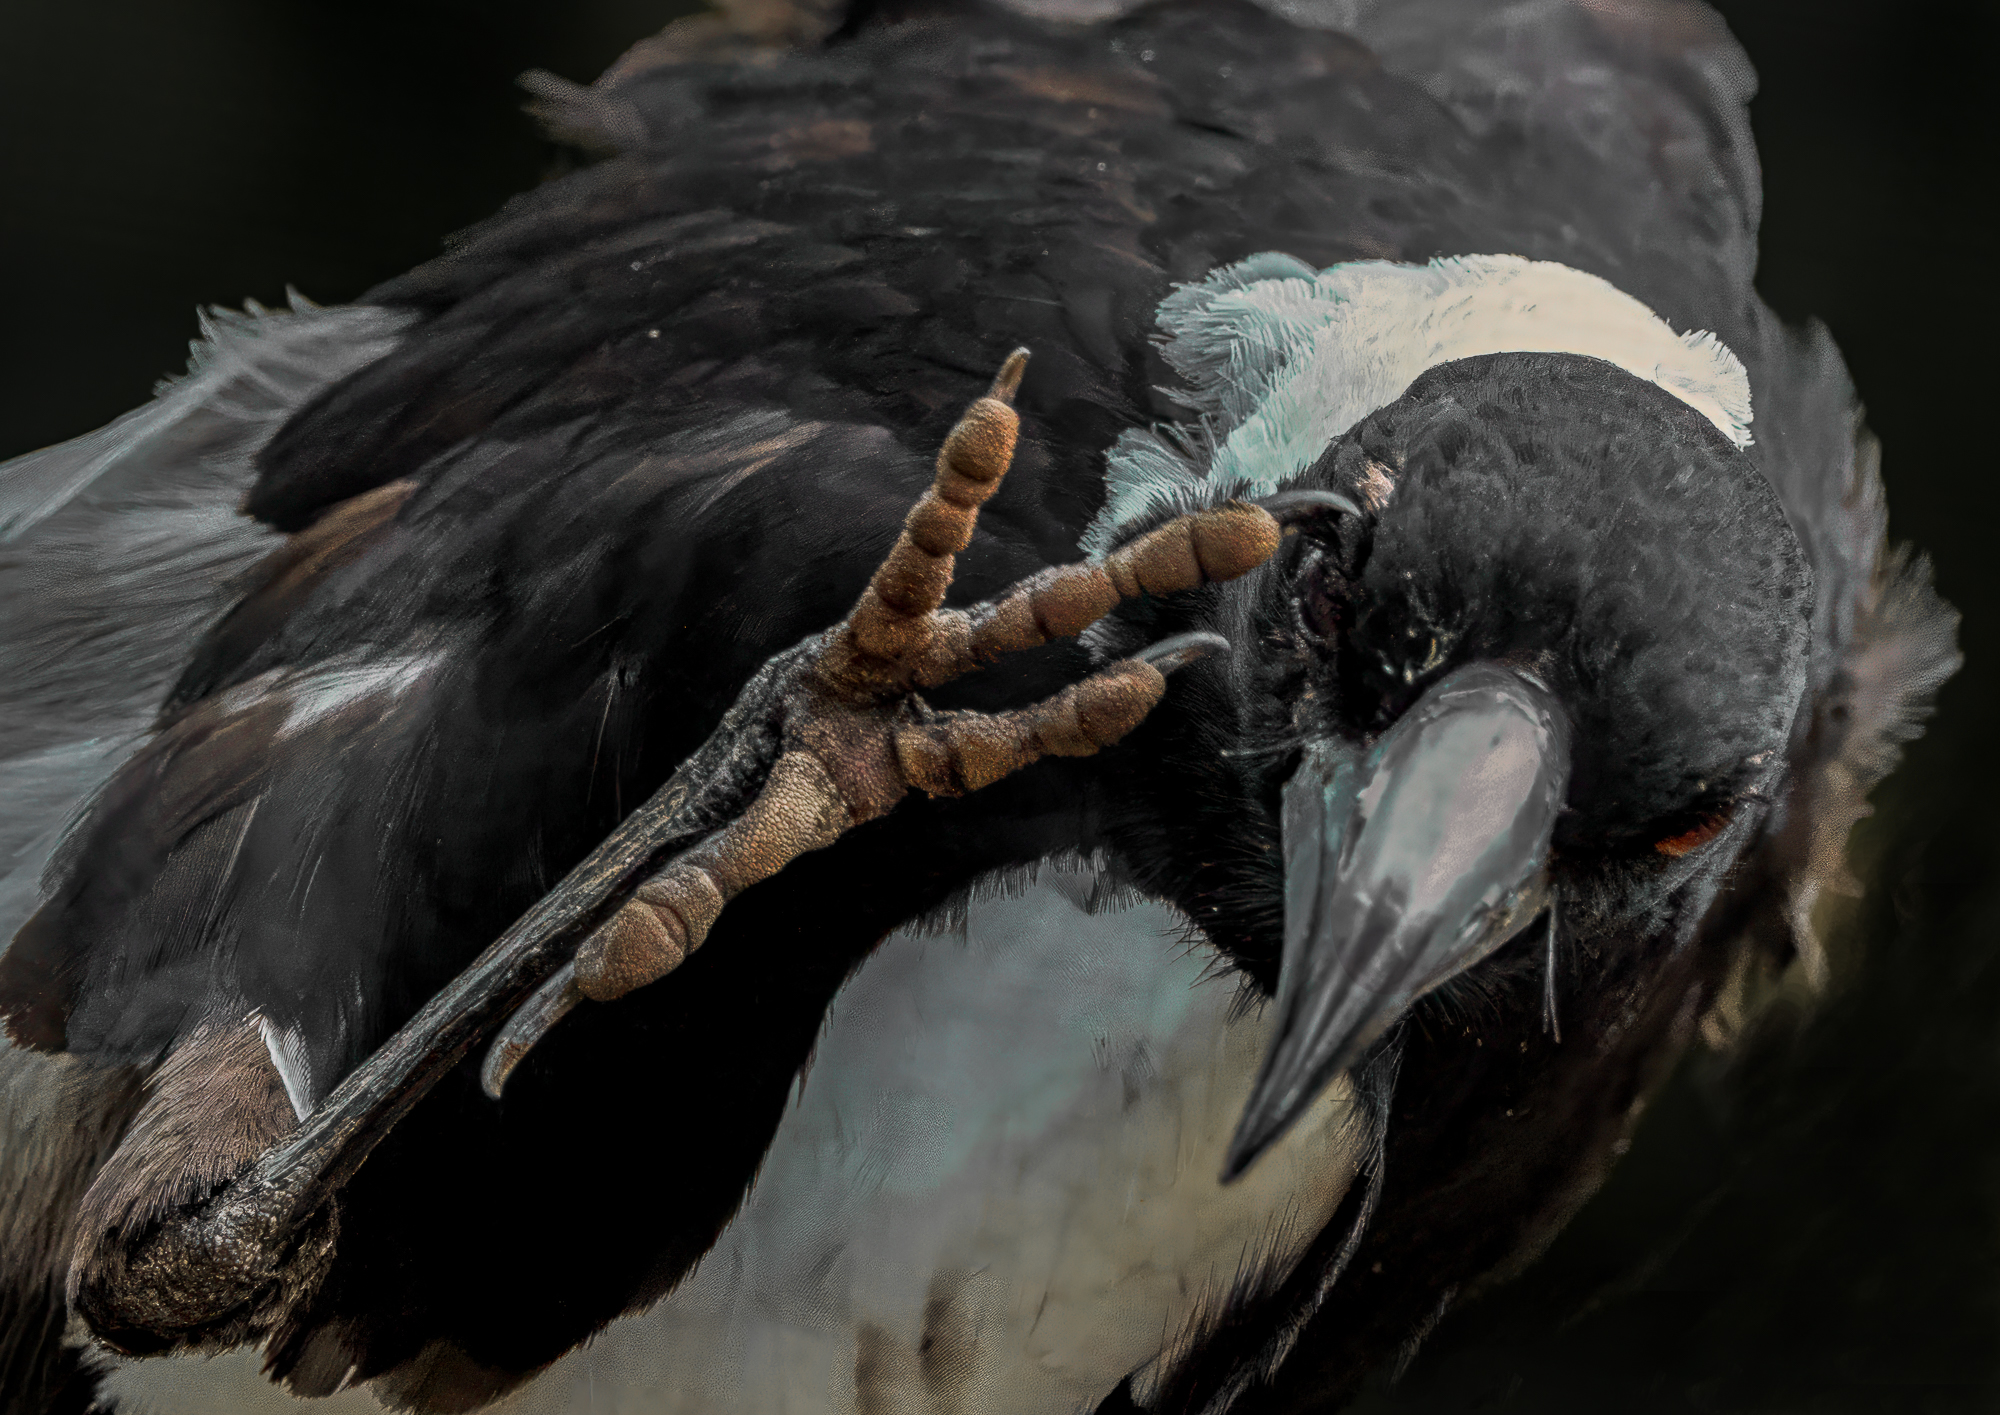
point(1547, 509)
point(660, 419)
point(1553, 507)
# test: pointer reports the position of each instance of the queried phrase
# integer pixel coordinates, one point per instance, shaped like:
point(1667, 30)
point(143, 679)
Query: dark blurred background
point(1814, 1226)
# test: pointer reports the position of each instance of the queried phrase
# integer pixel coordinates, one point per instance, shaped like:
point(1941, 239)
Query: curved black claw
point(1288, 508)
point(551, 1002)
point(1183, 649)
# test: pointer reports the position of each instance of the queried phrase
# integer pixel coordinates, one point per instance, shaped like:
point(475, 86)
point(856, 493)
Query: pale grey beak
point(1404, 864)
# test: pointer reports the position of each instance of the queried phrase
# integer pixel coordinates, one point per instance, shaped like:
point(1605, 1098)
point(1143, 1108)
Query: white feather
point(1283, 360)
point(1011, 1140)
point(287, 1047)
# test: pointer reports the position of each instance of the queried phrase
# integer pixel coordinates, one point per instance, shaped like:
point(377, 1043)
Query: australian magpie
point(1393, 379)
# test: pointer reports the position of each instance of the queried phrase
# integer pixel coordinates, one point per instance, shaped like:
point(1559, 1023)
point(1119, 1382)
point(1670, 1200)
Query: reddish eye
point(1689, 841)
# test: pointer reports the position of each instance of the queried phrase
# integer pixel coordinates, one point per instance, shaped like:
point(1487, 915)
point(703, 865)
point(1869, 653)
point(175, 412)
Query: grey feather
point(118, 547)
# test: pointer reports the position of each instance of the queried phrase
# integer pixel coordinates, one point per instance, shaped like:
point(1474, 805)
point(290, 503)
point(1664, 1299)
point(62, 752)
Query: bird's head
point(1551, 655)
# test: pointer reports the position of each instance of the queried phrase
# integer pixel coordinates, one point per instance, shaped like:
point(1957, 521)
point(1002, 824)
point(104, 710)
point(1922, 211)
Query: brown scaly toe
point(825, 736)
point(855, 738)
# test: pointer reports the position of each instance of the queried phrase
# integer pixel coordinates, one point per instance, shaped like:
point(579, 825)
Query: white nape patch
point(287, 1046)
point(1283, 360)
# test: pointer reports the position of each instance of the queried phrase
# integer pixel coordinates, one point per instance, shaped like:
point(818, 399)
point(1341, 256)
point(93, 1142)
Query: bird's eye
point(1688, 841)
point(1319, 596)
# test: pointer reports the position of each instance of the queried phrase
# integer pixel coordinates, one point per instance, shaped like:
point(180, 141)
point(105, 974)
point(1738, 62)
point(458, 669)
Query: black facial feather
point(1549, 511)
point(1556, 512)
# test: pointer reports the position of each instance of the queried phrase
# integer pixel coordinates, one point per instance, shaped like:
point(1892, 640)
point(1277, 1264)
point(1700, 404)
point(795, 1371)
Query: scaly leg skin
point(856, 738)
point(826, 736)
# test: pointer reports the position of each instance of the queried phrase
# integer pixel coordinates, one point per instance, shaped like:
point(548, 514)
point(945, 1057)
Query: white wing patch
point(1283, 360)
point(325, 691)
point(287, 1046)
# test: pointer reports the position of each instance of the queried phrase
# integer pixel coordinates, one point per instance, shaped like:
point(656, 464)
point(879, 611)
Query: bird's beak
point(1404, 864)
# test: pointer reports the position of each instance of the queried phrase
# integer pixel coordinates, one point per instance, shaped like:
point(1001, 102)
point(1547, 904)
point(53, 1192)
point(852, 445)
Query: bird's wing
point(421, 708)
point(118, 548)
point(632, 442)
point(425, 707)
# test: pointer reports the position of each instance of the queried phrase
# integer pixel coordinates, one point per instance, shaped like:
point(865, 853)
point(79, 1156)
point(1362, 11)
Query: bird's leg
point(856, 739)
point(826, 736)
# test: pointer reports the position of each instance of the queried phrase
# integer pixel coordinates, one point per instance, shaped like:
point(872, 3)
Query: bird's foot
point(826, 736)
point(855, 736)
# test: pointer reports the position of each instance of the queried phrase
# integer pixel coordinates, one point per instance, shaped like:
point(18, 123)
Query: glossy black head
point(1554, 512)
point(1560, 648)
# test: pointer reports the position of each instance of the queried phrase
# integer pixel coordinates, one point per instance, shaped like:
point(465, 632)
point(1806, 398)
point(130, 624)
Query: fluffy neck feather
point(1282, 360)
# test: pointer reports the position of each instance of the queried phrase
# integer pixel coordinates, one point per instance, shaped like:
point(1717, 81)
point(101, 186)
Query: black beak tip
point(1263, 1123)
point(1243, 1152)
point(1297, 1072)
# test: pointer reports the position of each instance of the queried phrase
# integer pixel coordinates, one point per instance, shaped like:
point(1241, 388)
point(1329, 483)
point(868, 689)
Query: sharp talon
point(1007, 382)
point(531, 1022)
point(1290, 507)
point(1182, 649)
